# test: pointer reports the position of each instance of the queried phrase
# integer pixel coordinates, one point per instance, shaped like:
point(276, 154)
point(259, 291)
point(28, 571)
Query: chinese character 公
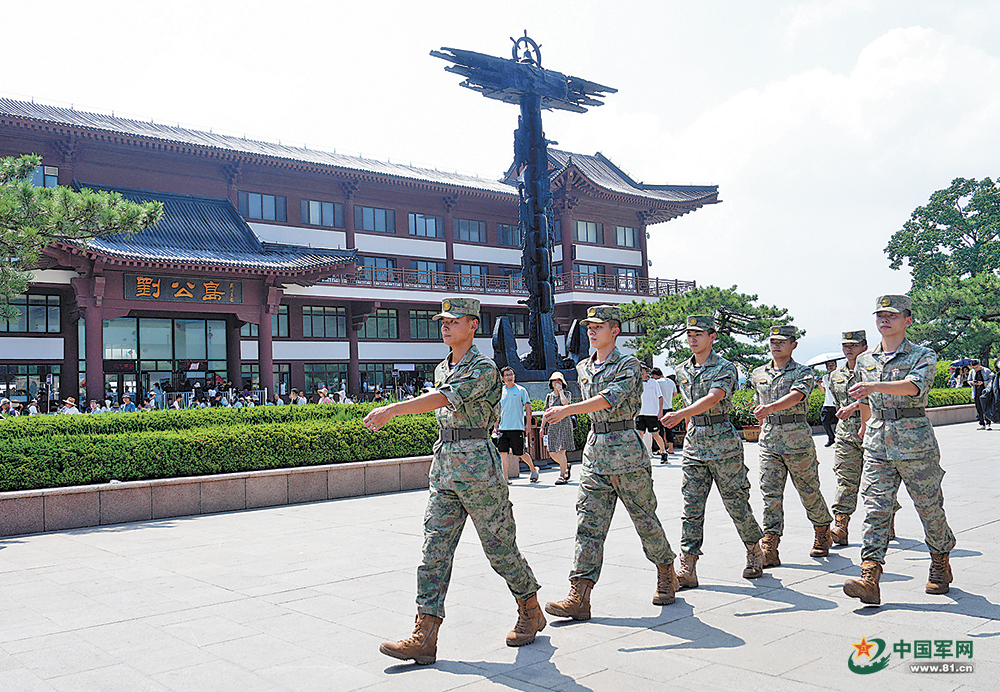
point(181, 291)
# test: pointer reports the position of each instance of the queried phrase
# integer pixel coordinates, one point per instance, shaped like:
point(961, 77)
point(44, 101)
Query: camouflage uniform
point(713, 453)
point(466, 479)
point(787, 449)
point(615, 465)
point(901, 450)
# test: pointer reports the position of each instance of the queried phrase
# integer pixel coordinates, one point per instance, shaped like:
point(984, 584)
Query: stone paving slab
point(299, 597)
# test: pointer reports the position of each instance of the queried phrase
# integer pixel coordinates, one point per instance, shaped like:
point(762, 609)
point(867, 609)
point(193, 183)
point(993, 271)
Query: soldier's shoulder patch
point(684, 380)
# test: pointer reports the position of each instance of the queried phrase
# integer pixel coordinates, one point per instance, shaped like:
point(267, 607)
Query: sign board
point(183, 289)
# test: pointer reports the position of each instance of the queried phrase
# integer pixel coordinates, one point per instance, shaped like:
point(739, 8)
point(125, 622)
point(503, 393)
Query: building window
point(519, 321)
point(589, 232)
point(588, 268)
point(324, 322)
point(509, 234)
point(427, 226)
point(471, 275)
point(625, 278)
point(469, 231)
point(376, 377)
point(44, 176)
point(323, 213)
point(374, 219)
point(625, 236)
point(427, 272)
point(279, 325)
point(485, 324)
point(36, 313)
point(377, 269)
point(516, 282)
point(423, 326)
point(332, 376)
point(254, 205)
point(384, 324)
point(631, 327)
point(26, 382)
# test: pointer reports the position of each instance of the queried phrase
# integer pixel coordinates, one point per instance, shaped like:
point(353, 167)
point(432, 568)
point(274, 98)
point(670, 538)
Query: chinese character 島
point(212, 291)
point(146, 286)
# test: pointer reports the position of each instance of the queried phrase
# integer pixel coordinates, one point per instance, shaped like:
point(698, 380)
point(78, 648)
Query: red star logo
point(864, 648)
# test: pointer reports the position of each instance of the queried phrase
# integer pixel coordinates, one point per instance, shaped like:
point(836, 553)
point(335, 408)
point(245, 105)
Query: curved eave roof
point(98, 122)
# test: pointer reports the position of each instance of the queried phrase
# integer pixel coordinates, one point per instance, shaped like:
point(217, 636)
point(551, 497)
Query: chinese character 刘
point(146, 286)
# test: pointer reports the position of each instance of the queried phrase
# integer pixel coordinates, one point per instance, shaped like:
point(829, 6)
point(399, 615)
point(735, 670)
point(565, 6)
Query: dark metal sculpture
point(521, 80)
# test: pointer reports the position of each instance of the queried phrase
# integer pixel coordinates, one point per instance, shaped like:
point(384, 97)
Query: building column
point(449, 234)
point(353, 368)
point(70, 376)
point(234, 354)
point(567, 245)
point(265, 358)
point(94, 317)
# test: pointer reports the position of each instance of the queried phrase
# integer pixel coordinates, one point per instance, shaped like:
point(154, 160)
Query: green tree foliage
point(952, 248)
point(742, 323)
point(33, 217)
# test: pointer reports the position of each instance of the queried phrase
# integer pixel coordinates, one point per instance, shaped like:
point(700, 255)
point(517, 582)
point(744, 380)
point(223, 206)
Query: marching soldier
point(713, 451)
point(899, 446)
point(781, 391)
point(466, 479)
point(615, 466)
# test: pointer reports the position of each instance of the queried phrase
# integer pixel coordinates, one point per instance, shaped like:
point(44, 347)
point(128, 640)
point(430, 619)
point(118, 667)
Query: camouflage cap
point(785, 331)
point(892, 303)
point(704, 323)
point(599, 314)
point(855, 337)
point(453, 308)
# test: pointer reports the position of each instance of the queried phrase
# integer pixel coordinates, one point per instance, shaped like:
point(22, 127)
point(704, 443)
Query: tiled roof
point(200, 138)
point(202, 230)
point(600, 171)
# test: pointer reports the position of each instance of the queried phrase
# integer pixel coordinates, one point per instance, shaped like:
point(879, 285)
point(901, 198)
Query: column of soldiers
point(883, 438)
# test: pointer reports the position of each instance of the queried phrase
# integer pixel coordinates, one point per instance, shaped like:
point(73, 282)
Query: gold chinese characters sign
point(183, 289)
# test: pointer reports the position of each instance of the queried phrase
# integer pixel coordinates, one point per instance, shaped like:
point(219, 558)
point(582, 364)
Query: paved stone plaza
point(299, 597)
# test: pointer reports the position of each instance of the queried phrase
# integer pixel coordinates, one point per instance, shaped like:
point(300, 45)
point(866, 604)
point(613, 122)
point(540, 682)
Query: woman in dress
point(559, 436)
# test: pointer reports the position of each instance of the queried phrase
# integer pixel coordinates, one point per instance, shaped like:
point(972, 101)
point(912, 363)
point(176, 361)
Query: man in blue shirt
point(127, 405)
point(515, 423)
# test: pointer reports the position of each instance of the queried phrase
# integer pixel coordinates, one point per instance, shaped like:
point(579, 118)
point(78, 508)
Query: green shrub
point(60, 460)
point(949, 397)
point(941, 374)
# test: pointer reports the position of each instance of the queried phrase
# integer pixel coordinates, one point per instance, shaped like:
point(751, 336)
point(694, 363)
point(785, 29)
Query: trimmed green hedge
point(60, 460)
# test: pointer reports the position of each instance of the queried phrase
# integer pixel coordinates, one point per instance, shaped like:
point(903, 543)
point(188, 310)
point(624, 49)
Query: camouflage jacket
point(472, 388)
point(841, 380)
point(619, 380)
point(707, 442)
point(769, 386)
point(906, 438)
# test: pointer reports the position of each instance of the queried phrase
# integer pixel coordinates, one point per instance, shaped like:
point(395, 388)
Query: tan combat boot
point(529, 622)
point(666, 584)
point(940, 574)
point(822, 542)
point(839, 529)
point(755, 562)
point(577, 604)
point(421, 646)
point(687, 577)
point(866, 588)
point(769, 546)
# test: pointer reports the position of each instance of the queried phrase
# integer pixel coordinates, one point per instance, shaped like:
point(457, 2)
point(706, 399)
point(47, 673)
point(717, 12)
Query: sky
point(825, 124)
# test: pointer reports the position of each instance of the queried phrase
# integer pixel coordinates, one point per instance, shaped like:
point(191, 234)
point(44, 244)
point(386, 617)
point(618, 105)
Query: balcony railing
point(412, 279)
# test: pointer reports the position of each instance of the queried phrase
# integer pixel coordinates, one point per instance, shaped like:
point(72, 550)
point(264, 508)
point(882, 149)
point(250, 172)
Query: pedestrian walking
point(980, 378)
point(514, 424)
point(668, 388)
point(466, 480)
point(713, 451)
point(828, 413)
point(648, 420)
point(558, 437)
point(615, 466)
point(781, 393)
point(900, 446)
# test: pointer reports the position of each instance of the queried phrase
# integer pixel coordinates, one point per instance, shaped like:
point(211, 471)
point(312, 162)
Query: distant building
point(288, 267)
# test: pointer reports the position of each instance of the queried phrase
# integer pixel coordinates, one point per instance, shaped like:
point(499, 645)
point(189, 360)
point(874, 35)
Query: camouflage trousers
point(595, 506)
point(730, 476)
point(879, 485)
point(847, 465)
point(444, 519)
point(804, 470)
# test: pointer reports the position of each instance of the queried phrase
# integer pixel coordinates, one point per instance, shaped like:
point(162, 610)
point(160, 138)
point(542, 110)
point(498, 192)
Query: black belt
point(897, 413)
point(457, 434)
point(784, 419)
point(709, 420)
point(603, 428)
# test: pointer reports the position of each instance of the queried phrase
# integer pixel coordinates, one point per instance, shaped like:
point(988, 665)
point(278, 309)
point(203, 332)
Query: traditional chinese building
point(290, 267)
